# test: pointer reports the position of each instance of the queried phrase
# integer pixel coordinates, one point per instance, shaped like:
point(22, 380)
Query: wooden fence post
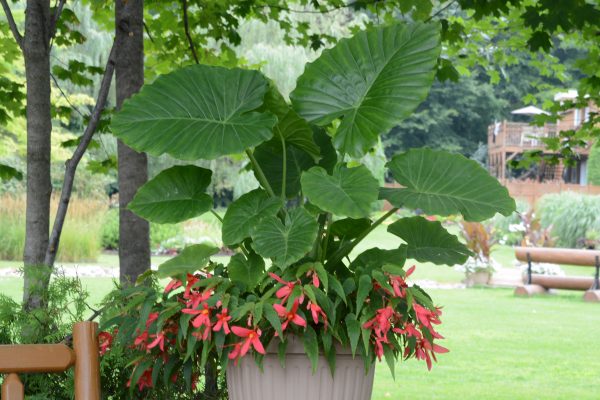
point(87, 370)
point(12, 388)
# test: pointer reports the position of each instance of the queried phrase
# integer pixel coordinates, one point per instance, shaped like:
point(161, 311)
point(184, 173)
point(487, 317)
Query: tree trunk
point(134, 232)
point(39, 127)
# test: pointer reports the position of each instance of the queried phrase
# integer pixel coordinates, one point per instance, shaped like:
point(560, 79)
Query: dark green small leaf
point(246, 271)
point(281, 349)
point(7, 173)
point(311, 347)
point(191, 259)
point(273, 318)
point(365, 285)
point(353, 327)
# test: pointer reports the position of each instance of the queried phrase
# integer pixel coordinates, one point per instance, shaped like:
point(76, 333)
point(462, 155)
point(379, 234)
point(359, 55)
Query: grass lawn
point(502, 347)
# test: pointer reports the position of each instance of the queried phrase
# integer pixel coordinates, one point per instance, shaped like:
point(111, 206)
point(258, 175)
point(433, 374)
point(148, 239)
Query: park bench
point(44, 358)
point(536, 283)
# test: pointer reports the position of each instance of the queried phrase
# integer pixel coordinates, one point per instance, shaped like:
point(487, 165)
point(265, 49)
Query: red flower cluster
point(388, 319)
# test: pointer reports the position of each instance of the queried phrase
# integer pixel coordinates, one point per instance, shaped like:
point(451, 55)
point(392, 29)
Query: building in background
point(509, 140)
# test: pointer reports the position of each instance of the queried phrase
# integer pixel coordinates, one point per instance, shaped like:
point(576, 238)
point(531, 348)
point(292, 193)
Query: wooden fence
point(531, 191)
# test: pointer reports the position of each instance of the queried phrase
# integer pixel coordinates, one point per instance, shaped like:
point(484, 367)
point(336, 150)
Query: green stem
point(260, 174)
point(344, 251)
point(314, 253)
point(284, 169)
point(213, 212)
point(327, 231)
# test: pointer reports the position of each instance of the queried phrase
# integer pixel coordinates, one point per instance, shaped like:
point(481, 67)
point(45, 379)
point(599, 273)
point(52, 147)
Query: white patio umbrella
point(529, 110)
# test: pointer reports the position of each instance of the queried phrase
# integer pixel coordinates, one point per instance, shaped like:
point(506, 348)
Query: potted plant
point(295, 307)
point(480, 266)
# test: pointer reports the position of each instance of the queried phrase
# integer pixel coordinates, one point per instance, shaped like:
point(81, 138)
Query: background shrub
point(509, 230)
point(571, 216)
point(594, 165)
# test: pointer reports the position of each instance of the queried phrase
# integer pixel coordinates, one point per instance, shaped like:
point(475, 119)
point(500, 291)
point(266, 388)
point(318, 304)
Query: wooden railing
point(44, 358)
point(519, 134)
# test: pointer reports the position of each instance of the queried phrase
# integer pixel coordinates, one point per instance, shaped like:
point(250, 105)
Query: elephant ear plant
point(294, 271)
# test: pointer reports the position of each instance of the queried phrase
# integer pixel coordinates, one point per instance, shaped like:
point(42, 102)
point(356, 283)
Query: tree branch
point(186, 27)
point(441, 10)
point(54, 18)
point(12, 24)
point(65, 96)
point(73, 162)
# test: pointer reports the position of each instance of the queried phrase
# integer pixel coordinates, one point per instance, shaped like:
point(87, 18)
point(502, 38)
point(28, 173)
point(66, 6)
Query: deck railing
point(48, 358)
point(519, 134)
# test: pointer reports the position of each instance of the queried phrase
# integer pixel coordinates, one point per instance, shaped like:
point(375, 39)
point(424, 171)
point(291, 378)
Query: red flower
point(235, 353)
point(142, 339)
point(378, 348)
point(151, 318)
point(105, 340)
point(427, 317)
point(174, 284)
point(399, 283)
point(424, 350)
point(409, 330)
point(315, 277)
point(202, 319)
point(381, 323)
point(284, 292)
point(252, 338)
point(222, 319)
point(145, 380)
point(194, 299)
point(316, 311)
point(158, 341)
point(191, 280)
point(290, 316)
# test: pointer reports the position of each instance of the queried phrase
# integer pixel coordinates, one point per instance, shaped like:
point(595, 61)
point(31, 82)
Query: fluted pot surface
point(296, 381)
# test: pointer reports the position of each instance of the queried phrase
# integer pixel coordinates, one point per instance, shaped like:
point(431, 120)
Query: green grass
point(502, 347)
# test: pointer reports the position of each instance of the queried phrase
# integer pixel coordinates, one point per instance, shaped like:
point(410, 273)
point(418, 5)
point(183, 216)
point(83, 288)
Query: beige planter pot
point(296, 381)
point(478, 278)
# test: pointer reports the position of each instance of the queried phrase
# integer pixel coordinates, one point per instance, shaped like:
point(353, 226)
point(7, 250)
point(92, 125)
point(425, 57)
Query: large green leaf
point(246, 271)
point(191, 259)
point(243, 215)
point(297, 132)
point(441, 183)
point(376, 258)
point(197, 112)
point(372, 81)
point(349, 191)
point(174, 195)
point(429, 241)
point(350, 228)
point(285, 243)
point(269, 156)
